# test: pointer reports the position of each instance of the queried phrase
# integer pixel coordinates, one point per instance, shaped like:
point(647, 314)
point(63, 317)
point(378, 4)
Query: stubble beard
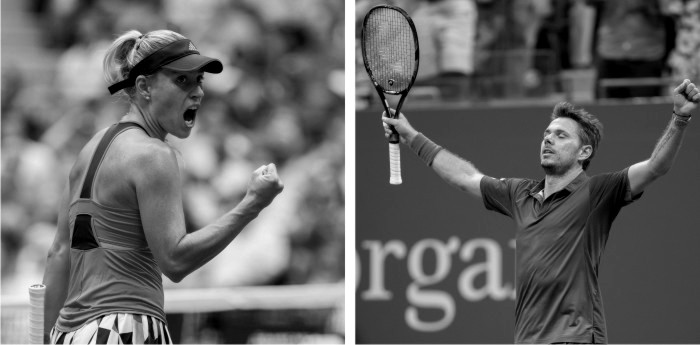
point(553, 169)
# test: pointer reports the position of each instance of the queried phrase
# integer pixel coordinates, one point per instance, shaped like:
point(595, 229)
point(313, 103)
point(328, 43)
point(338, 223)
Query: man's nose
point(548, 140)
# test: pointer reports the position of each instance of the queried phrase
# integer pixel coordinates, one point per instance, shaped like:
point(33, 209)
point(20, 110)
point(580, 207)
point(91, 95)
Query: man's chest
point(555, 221)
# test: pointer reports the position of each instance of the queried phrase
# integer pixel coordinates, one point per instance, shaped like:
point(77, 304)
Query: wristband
point(681, 120)
point(685, 117)
point(424, 148)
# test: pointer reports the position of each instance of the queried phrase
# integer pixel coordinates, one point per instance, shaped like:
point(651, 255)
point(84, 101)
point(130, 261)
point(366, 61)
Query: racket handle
point(395, 164)
point(36, 313)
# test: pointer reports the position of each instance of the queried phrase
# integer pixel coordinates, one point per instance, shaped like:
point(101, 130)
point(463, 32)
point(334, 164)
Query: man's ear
point(585, 152)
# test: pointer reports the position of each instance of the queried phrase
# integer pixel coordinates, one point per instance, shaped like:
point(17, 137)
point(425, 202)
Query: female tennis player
point(121, 223)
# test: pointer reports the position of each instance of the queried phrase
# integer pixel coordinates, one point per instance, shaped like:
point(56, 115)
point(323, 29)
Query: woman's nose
point(198, 93)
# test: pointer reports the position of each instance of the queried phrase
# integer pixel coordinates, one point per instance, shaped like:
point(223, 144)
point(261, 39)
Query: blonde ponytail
point(116, 63)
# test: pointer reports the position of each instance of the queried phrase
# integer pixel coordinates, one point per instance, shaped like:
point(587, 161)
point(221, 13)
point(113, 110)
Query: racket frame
point(394, 137)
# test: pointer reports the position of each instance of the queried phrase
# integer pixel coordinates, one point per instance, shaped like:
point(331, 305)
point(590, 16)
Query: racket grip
point(36, 313)
point(395, 164)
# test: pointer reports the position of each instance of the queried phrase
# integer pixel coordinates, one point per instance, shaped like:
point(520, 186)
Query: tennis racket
point(390, 53)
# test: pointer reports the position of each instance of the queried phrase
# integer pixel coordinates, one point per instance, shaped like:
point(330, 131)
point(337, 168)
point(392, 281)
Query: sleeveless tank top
point(112, 268)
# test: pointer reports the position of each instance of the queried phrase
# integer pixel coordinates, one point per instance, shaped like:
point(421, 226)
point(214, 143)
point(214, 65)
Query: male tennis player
point(563, 221)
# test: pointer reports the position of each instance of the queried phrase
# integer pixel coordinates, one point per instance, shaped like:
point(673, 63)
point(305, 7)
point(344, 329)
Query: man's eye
point(181, 79)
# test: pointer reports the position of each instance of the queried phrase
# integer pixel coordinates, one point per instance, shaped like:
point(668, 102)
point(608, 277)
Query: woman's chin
point(182, 133)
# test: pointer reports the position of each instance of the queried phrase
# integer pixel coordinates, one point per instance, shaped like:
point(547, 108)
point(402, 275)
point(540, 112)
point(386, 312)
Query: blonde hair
point(129, 49)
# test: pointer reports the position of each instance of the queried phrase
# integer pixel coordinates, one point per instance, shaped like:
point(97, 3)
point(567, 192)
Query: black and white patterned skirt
point(118, 328)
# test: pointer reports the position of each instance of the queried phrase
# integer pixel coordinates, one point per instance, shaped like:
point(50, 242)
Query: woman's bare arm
point(159, 193)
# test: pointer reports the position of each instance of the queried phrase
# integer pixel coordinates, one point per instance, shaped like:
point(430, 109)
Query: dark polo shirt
point(559, 242)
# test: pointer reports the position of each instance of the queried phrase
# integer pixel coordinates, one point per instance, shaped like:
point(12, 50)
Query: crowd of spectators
point(280, 99)
point(482, 50)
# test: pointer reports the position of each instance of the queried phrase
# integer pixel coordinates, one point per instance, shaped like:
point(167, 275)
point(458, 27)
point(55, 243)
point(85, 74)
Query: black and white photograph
point(534, 173)
point(349, 172)
point(173, 171)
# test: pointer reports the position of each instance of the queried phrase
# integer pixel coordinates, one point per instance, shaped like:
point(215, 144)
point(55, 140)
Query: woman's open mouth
point(189, 116)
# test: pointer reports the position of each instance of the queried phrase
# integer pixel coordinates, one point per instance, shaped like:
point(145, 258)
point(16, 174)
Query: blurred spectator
point(528, 19)
point(446, 32)
point(507, 37)
point(563, 55)
point(490, 25)
point(79, 68)
point(580, 35)
point(632, 42)
point(684, 59)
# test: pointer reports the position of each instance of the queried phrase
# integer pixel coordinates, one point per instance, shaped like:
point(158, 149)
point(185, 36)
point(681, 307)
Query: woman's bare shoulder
point(147, 157)
point(85, 155)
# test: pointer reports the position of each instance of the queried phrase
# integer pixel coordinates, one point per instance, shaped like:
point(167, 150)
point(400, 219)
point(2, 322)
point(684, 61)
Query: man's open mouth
point(189, 116)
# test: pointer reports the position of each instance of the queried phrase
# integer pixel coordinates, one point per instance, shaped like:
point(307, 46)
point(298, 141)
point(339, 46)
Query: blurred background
point(534, 51)
point(279, 99)
point(433, 265)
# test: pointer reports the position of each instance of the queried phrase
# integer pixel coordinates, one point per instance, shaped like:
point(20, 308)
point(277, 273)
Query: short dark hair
point(591, 129)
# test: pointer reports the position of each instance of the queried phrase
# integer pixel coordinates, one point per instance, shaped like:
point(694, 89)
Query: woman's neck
point(141, 116)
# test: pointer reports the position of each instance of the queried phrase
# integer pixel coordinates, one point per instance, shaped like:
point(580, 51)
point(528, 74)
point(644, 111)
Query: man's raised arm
point(685, 99)
point(456, 171)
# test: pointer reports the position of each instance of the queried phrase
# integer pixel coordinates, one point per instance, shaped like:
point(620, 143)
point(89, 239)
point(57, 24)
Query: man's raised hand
point(685, 98)
point(401, 125)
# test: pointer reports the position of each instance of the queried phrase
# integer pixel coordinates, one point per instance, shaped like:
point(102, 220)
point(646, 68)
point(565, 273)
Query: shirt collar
point(571, 187)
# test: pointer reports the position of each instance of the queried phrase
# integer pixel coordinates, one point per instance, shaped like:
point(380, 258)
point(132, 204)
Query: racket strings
point(390, 49)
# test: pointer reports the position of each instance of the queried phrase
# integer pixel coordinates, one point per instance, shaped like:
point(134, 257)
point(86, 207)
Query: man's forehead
point(564, 123)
